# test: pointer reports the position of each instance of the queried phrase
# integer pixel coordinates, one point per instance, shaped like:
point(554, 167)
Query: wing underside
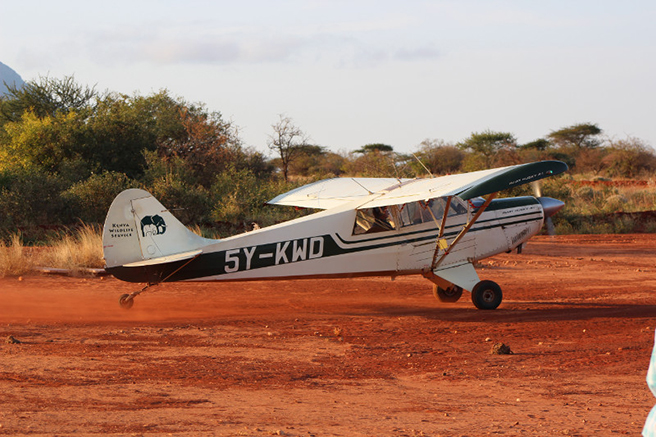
point(330, 193)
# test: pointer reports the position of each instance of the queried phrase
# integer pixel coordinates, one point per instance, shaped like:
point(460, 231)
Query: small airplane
point(436, 227)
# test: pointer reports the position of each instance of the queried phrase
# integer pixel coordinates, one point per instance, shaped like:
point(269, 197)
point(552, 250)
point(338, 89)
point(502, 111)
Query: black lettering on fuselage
point(267, 255)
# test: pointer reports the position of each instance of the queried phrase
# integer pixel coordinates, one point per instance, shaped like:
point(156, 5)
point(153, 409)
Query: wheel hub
point(488, 295)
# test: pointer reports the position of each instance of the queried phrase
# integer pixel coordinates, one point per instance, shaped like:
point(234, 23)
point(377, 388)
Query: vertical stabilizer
point(139, 228)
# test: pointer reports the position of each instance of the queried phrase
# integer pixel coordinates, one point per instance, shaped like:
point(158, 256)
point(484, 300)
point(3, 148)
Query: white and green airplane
point(436, 227)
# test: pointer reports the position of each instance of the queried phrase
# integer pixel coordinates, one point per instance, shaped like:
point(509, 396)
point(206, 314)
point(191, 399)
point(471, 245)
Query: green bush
point(239, 199)
point(31, 198)
point(90, 199)
point(189, 203)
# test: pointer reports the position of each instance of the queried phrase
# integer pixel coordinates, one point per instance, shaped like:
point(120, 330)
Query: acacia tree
point(287, 141)
point(488, 144)
point(46, 97)
point(580, 136)
point(375, 148)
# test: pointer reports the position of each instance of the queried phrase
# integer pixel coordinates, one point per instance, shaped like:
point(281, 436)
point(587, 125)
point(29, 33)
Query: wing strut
point(440, 243)
point(468, 226)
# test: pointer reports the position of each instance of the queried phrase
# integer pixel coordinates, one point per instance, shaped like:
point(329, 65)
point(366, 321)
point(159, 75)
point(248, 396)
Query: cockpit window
point(389, 218)
point(415, 213)
point(371, 220)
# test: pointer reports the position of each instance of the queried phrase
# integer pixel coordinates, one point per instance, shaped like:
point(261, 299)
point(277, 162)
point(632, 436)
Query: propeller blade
point(551, 229)
point(550, 207)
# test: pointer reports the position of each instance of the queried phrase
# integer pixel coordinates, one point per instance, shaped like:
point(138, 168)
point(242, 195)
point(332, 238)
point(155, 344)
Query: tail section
point(138, 228)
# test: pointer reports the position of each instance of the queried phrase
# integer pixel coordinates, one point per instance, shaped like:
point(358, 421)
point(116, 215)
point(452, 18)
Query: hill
point(8, 76)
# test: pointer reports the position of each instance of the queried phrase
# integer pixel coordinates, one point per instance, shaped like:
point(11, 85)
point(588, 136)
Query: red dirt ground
point(352, 357)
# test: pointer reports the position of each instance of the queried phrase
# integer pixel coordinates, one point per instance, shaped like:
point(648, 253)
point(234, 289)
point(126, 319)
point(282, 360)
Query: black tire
point(487, 295)
point(450, 295)
point(126, 301)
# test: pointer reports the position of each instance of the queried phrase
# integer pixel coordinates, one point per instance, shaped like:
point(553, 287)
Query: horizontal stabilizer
point(166, 259)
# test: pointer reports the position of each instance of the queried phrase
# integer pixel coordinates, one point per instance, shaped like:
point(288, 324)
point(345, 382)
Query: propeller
point(550, 206)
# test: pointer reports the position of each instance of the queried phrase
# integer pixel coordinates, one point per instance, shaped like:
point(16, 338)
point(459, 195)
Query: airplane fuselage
point(345, 242)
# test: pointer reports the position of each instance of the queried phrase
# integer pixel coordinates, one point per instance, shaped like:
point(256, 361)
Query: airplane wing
point(329, 193)
point(467, 185)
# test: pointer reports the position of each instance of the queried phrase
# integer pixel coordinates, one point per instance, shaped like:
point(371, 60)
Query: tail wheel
point(126, 301)
point(487, 295)
point(451, 294)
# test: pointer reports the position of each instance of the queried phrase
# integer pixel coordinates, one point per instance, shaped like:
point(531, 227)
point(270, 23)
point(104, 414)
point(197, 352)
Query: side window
point(416, 213)
point(412, 214)
point(437, 207)
point(371, 220)
point(457, 207)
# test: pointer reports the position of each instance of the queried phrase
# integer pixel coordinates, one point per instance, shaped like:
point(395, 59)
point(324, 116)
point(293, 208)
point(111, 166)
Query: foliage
point(629, 158)
point(438, 157)
point(43, 143)
point(32, 198)
point(540, 144)
point(190, 203)
point(375, 148)
point(316, 162)
point(91, 198)
point(205, 141)
point(45, 97)
point(488, 145)
point(240, 200)
point(578, 136)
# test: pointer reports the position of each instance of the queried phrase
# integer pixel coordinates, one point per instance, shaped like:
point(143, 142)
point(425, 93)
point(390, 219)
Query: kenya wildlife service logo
point(152, 225)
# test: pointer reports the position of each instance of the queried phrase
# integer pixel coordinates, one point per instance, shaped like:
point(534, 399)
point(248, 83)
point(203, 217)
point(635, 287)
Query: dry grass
point(77, 251)
point(14, 258)
point(83, 249)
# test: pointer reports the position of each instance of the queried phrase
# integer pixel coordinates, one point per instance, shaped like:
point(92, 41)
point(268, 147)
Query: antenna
point(422, 164)
point(365, 188)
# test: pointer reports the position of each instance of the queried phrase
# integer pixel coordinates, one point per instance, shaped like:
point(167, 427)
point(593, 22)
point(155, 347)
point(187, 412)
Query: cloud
point(417, 53)
point(216, 52)
point(239, 48)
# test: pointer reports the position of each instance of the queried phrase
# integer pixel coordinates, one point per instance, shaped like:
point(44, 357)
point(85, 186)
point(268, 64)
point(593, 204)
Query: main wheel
point(487, 295)
point(451, 294)
point(126, 301)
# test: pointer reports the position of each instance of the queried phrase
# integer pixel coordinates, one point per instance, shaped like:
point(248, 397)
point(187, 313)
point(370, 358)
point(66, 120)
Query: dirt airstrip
point(349, 357)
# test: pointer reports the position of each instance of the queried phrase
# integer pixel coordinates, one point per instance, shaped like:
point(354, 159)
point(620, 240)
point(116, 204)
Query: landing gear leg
point(486, 295)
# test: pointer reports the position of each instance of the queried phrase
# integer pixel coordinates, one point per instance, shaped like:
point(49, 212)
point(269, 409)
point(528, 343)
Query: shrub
point(615, 203)
point(32, 198)
point(240, 199)
point(586, 193)
point(189, 203)
point(92, 198)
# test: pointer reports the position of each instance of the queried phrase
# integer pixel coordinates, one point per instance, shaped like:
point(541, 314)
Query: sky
point(350, 73)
